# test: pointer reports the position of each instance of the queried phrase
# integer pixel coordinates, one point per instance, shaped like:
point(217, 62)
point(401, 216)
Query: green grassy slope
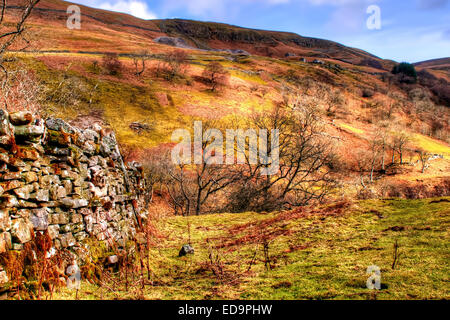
point(313, 254)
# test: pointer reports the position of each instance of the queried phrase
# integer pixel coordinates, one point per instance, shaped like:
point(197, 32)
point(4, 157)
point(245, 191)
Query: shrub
point(216, 75)
point(367, 93)
point(406, 72)
point(94, 67)
point(292, 76)
point(112, 64)
point(173, 64)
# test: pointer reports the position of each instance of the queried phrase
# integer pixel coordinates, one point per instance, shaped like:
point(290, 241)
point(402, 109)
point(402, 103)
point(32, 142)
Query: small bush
point(367, 93)
point(215, 75)
point(94, 67)
point(173, 64)
point(405, 73)
point(406, 69)
point(112, 64)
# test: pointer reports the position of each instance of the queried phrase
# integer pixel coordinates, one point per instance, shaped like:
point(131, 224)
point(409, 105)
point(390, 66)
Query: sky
point(401, 30)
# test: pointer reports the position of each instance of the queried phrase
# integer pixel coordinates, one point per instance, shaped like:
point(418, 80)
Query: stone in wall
point(68, 182)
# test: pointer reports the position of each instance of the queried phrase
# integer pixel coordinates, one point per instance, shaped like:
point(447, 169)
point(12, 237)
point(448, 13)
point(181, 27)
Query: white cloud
point(347, 19)
point(207, 9)
point(137, 8)
point(348, 15)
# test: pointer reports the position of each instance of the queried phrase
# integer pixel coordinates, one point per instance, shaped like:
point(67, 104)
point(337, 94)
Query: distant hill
point(434, 63)
point(440, 68)
point(202, 35)
point(208, 35)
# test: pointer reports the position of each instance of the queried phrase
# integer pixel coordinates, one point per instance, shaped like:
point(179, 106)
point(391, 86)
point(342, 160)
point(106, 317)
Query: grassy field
point(313, 253)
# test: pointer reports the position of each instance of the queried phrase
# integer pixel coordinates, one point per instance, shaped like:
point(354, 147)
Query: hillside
point(103, 24)
point(364, 161)
point(435, 63)
point(266, 43)
point(353, 94)
point(438, 67)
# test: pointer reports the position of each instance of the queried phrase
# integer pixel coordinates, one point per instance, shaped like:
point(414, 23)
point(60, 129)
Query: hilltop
point(438, 67)
point(201, 35)
point(434, 63)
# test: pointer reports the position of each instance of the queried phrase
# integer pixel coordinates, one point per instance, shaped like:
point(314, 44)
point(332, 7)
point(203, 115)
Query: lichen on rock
point(64, 182)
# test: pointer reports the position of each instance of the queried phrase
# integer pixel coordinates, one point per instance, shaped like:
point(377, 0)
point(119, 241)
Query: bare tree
point(189, 190)
point(304, 173)
point(362, 162)
point(394, 103)
point(192, 186)
point(335, 100)
point(66, 91)
point(11, 32)
point(180, 190)
point(112, 64)
point(424, 158)
point(155, 170)
point(139, 61)
point(375, 152)
point(383, 139)
point(399, 144)
point(305, 160)
point(174, 63)
point(216, 75)
point(369, 160)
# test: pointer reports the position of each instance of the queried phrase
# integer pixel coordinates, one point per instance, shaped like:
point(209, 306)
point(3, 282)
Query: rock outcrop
point(67, 182)
point(174, 42)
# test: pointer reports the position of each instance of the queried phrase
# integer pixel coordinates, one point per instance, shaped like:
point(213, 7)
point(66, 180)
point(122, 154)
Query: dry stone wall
point(69, 182)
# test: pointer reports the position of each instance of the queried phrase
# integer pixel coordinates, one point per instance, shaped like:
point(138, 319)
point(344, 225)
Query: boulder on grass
point(186, 249)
